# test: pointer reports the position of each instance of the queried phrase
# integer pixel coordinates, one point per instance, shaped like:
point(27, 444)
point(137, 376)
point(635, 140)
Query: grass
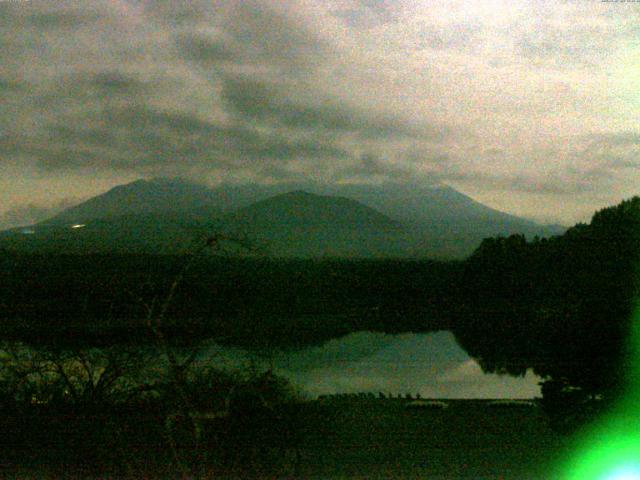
point(469, 440)
point(338, 439)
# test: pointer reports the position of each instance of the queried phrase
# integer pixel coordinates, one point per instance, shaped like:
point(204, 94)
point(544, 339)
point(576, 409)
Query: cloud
point(562, 48)
point(568, 36)
point(533, 183)
point(137, 137)
point(464, 372)
point(271, 36)
point(257, 100)
point(248, 62)
point(463, 37)
point(208, 51)
point(368, 13)
point(29, 214)
point(251, 34)
point(604, 159)
point(58, 19)
point(339, 90)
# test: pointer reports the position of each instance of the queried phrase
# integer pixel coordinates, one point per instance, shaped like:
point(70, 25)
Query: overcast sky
point(531, 107)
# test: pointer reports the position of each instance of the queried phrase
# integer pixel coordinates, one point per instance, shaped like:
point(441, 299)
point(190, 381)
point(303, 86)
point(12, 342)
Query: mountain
point(302, 219)
point(436, 206)
point(303, 224)
point(443, 222)
point(449, 222)
point(153, 216)
point(300, 209)
point(160, 196)
point(432, 206)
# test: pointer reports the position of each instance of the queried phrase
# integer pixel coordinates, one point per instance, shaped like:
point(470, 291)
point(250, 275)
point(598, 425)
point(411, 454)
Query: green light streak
point(610, 450)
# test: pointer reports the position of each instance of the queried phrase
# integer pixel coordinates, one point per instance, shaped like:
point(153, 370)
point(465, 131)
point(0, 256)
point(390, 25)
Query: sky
point(530, 107)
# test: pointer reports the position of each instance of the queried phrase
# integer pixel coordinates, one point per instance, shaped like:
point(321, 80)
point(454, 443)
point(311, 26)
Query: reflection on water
point(433, 365)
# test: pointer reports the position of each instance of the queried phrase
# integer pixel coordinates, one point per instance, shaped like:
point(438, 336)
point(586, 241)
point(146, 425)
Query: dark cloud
point(59, 19)
point(8, 86)
point(97, 106)
point(554, 186)
point(114, 83)
point(380, 6)
point(140, 137)
point(274, 90)
point(593, 165)
point(366, 14)
point(494, 152)
point(90, 93)
point(271, 36)
point(593, 178)
point(432, 156)
point(205, 50)
point(255, 99)
point(182, 13)
point(281, 148)
point(250, 33)
point(553, 51)
point(372, 164)
point(259, 100)
point(369, 165)
point(134, 138)
point(620, 163)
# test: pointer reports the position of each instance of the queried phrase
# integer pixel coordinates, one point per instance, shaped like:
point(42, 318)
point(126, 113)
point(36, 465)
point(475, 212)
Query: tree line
point(562, 306)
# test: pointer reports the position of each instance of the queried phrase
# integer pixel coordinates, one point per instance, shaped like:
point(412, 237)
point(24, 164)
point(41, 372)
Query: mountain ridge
point(309, 220)
point(141, 197)
point(304, 224)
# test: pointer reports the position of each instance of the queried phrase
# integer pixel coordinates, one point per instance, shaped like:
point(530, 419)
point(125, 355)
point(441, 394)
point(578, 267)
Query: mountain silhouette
point(303, 209)
point(168, 215)
point(303, 224)
point(448, 221)
point(160, 196)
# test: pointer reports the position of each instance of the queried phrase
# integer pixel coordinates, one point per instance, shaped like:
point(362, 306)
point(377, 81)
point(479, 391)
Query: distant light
point(628, 472)
point(78, 225)
point(28, 231)
point(610, 448)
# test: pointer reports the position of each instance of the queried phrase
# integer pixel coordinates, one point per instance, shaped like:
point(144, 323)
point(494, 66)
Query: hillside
point(301, 224)
point(441, 221)
point(161, 196)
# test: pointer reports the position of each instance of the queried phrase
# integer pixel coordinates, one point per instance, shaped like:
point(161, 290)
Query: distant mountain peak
point(298, 193)
point(302, 207)
point(141, 197)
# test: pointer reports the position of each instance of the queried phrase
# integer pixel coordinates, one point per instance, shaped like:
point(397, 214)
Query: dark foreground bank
point(341, 438)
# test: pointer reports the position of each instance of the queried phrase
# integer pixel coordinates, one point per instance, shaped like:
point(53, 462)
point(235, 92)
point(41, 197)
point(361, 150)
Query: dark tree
point(561, 306)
